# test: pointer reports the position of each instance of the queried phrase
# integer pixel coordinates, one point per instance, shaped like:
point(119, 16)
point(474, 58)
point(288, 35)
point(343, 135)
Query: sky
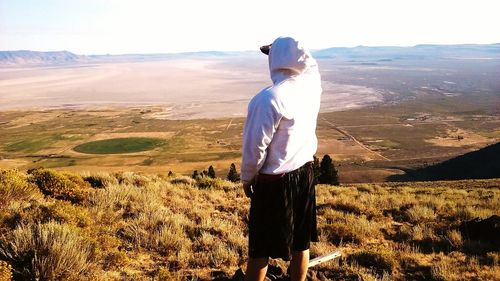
point(150, 26)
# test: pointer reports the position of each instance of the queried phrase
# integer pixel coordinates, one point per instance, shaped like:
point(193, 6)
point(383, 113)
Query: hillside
point(480, 164)
point(24, 57)
point(128, 226)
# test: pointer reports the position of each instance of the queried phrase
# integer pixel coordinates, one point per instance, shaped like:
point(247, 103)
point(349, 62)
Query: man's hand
point(247, 188)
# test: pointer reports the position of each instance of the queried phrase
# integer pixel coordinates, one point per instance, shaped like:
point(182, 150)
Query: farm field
point(368, 144)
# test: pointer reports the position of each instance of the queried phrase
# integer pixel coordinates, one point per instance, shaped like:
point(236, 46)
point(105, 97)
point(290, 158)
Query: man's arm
point(262, 121)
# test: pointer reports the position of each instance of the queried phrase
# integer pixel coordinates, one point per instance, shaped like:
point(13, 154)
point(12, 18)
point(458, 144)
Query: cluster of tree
point(210, 173)
point(232, 175)
point(324, 172)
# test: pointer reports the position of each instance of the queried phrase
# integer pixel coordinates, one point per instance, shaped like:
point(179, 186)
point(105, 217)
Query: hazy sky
point(146, 26)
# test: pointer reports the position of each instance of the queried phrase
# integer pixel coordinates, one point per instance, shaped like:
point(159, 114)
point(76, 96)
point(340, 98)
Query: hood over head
point(287, 57)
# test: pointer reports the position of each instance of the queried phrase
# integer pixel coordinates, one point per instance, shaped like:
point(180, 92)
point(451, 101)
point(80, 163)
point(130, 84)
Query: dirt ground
point(182, 88)
point(458, 138)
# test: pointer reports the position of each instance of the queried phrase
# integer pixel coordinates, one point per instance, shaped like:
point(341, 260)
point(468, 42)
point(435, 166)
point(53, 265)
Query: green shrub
point(60, 185)
point(14, 186)
point(46, 251)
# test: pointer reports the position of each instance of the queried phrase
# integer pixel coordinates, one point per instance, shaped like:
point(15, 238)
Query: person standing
point(279, 141)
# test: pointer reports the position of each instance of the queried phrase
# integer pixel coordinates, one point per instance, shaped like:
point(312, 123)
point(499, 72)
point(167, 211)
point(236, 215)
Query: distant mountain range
point(24, 57)
point(480, 164)
point(32, 57)
point(464, 51)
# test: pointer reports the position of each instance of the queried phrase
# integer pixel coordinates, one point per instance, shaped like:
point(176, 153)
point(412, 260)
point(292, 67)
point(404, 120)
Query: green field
point(118, 146)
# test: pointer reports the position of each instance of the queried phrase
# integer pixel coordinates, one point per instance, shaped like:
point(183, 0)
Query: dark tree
point(233, 174)
point(316, 169)
point(211, 172)
point(204, 173)
point(170, 174)
point(329, 174)
point(195, 174)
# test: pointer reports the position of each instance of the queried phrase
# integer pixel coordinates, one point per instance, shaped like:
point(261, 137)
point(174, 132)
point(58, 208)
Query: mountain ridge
point(421, 51)
point(35, 57)
point(483, 163)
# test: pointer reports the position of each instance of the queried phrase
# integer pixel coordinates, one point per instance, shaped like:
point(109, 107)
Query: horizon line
point(244, 51)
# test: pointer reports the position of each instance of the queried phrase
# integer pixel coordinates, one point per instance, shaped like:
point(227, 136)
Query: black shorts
point(283, 214)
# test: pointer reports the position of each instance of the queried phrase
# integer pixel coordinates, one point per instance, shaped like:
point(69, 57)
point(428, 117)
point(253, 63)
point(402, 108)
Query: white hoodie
point(280, 130)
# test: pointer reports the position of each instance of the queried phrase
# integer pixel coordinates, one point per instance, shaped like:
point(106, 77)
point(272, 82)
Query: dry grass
point(5, 271)
point(47, 251)
point(139, 226)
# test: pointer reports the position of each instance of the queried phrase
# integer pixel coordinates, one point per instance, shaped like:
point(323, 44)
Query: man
point(279, 141)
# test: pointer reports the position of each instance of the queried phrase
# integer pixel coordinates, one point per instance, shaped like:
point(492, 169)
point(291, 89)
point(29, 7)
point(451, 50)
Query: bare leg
point(298, 265)
point(256, 269)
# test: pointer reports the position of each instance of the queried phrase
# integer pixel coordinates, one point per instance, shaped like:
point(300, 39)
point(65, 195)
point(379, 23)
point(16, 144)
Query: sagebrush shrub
point(130, 178)
point(60, 185)
point(65, 212)
point(454, 237)
point(419, 213)
point(183, 180)
point(442, 269)
point(14, 186)
point(46, 251)
point(5, 271)
point(493, 258)
point(217, 183)
point(380, 259)
point(349, 228)
point(100, 180)
point(116, 259)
